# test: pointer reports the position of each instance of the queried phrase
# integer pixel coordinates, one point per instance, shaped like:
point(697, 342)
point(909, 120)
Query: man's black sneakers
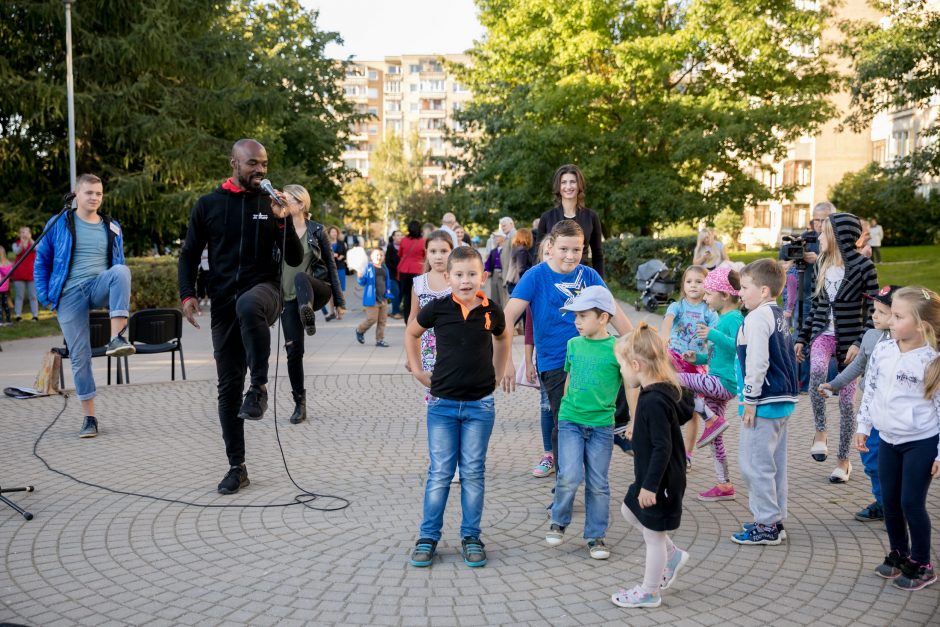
point(255, 403)
point(89, 427)
point(235, 479)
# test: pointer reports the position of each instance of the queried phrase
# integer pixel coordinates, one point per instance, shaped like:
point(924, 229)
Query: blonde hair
point(543, 247)
point(645, 345)
point(832, 257)
point(925, 307)
point(301, 195)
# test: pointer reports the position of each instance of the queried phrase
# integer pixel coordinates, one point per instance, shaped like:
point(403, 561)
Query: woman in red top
point(23, 276)
point(411, 264)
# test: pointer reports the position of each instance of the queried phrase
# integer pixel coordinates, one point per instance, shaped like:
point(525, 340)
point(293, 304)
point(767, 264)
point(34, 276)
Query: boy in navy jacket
point(768, 389)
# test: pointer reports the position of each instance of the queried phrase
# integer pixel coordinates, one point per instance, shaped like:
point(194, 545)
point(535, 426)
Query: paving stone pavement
point(92, 557)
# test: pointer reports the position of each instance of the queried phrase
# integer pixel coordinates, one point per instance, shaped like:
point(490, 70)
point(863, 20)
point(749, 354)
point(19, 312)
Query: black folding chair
point(155, 331)
point(99, 330)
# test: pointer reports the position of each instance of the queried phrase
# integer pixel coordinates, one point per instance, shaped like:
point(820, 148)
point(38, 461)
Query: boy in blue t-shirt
point(546, 288)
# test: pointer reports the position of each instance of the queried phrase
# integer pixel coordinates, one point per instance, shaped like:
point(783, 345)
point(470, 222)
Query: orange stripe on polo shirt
point(466, 312)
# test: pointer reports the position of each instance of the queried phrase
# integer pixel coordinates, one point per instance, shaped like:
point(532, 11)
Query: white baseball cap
point(592, 297)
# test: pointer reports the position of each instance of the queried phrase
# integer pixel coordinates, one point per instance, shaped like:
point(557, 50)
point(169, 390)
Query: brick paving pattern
point(91, 557)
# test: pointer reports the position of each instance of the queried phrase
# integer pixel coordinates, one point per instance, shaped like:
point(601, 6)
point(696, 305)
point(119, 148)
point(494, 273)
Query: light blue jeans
point(584, 455)
point(111, 288)
point(458, 431)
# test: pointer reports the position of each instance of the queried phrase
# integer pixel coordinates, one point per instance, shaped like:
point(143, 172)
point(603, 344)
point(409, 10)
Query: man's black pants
point(241, 343)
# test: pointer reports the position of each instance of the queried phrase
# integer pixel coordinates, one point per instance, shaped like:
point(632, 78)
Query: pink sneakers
point(712, 431)
point(717, 494)
point(545, 467)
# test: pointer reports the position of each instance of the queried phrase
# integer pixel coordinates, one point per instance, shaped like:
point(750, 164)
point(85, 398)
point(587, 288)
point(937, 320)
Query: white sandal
point(819, 451)
point(840, 476)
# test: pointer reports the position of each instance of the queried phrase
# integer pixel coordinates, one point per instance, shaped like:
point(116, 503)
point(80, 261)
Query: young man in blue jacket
point(80, 266)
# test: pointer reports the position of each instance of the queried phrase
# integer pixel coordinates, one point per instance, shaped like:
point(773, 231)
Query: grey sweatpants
point(763, 457)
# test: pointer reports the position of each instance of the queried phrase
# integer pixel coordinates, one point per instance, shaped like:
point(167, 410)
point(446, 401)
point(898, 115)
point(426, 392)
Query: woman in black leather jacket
point(306, 289)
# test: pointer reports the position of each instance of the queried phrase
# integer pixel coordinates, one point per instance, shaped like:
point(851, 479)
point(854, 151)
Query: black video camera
point(795, 247)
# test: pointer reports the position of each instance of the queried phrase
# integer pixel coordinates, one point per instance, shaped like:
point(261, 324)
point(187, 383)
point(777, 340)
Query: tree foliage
point(162, 89)
point(896, 65)
point(661, 103)
point(890, 195)
point(395, 169)
point(361, 205)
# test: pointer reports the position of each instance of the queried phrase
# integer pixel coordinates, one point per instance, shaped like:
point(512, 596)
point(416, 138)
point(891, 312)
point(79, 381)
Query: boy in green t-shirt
point(586, 419)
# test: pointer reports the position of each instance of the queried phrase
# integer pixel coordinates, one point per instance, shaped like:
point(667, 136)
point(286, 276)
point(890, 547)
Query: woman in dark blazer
point(568, 188)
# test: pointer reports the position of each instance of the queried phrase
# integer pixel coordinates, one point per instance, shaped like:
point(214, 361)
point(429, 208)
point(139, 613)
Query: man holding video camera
point(809, 243)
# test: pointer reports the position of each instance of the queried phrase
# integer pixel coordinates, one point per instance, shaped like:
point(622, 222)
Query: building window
point(393, 87)
point(372, 92)
point(393, 105)
point(433, 85)
point(351, 90)
point(900, 139)
point(373, 75)
point(879, 151)
point(459, 87)
point(434, 66)
point(373, 129)
point(798, 173)
point(414, 68)
point(393, 69)
point(393, 126)
point(413, 107)
point(373, 110)
point(413, 88)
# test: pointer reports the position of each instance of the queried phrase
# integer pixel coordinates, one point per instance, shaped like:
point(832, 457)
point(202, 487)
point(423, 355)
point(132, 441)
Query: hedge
point(153, 282)
point(622, 256)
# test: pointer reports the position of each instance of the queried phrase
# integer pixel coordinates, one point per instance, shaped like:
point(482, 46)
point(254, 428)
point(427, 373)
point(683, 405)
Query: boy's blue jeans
point(111, 288)
point(457, 431)
point(584, 454)
point(546, 421)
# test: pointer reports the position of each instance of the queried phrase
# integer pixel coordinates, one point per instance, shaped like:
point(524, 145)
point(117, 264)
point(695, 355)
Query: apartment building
point(813, 163)
point(405, 94)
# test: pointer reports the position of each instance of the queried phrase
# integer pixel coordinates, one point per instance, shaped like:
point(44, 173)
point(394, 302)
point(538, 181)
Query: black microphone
point(68, 198)
point(269, 190)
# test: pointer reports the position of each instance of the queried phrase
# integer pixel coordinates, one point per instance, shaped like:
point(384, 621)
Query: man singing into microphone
point(80, 266)
point(244, 231)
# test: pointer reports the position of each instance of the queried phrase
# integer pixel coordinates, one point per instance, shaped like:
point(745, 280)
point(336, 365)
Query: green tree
point(162, 89)
point(395, 170)
point(361, 206)
point(890, 195)
point(661, 103)
point(896, 65)
point(731, 223)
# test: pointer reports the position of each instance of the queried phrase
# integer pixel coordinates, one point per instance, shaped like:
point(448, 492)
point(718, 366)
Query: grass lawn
point(900, 265)
point(47, 326)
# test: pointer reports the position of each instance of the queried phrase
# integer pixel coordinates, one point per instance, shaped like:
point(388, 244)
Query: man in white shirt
point(449, 225)
point(876, 234)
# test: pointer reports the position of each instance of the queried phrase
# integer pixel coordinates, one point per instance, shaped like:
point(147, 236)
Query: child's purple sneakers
point(915, 576)
point(545, 467)
point(717, 494)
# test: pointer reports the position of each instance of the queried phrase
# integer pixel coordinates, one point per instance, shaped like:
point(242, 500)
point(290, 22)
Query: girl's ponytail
point(932, 378)
point(645, 345)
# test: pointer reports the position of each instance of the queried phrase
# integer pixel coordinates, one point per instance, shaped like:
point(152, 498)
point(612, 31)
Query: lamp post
point(70, 90)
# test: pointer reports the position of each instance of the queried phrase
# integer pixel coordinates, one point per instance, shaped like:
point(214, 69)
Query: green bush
point(153, 282)
point(623, 256)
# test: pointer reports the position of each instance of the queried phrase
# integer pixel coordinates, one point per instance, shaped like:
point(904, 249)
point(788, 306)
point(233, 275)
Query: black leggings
point(293, 327)
point(904, 470)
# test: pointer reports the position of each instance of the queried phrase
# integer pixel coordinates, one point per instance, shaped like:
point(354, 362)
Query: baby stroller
point(656, 283)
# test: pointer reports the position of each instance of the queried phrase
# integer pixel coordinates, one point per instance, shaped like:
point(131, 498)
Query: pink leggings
point(821, 352)
point(716, 397)
point(681, 365)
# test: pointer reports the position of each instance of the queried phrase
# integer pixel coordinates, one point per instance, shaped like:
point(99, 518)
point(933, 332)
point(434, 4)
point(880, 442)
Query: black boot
point(300, 407)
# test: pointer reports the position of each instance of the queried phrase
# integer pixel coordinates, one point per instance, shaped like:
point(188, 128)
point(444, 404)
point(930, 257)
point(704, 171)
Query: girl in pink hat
point(715, 389)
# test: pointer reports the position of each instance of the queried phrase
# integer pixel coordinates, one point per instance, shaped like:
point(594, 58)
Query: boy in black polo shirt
point(461, 411)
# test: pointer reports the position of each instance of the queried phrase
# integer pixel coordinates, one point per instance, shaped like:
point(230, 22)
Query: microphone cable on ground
point(305, 498)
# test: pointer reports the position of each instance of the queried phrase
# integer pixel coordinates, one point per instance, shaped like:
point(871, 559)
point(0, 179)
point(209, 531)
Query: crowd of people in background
point(725, 337)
